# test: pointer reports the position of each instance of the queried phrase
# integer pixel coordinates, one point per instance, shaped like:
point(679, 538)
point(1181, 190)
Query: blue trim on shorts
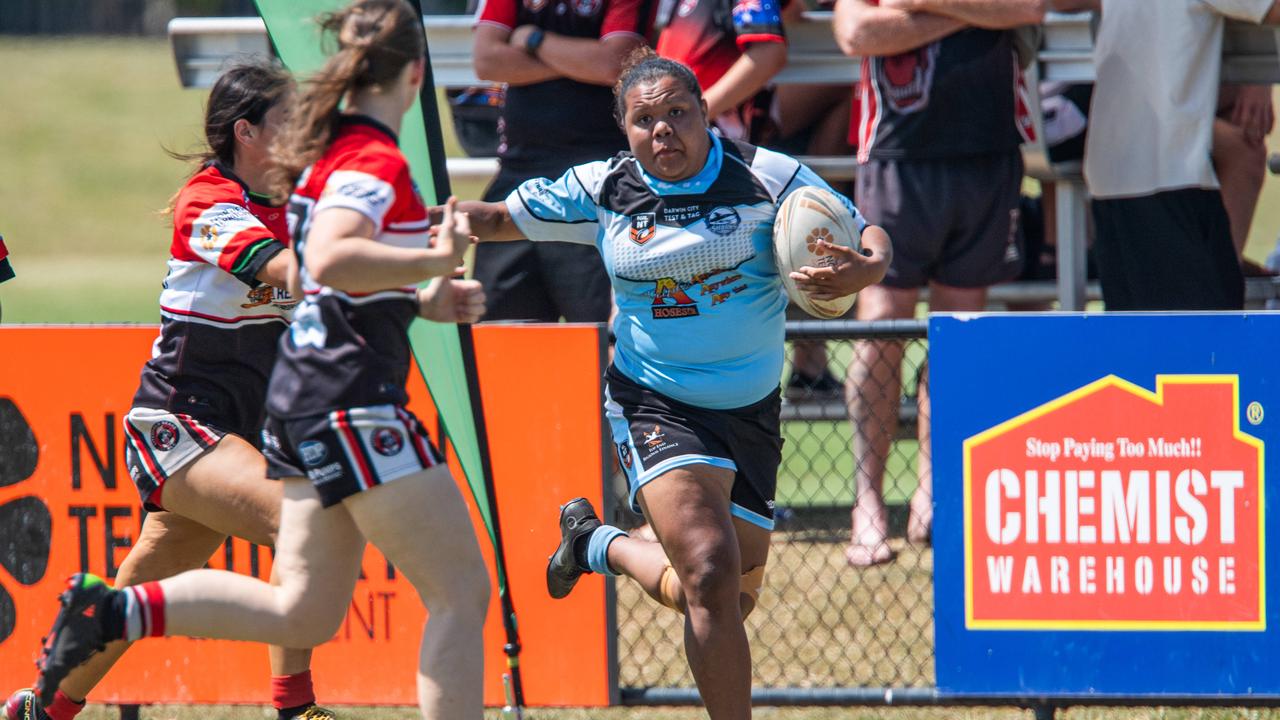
point(638, 481)
point(756, 519)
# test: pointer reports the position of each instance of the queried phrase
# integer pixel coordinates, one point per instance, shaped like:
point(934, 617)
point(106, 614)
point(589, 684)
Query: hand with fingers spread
point(853, 270)
point(451, 300)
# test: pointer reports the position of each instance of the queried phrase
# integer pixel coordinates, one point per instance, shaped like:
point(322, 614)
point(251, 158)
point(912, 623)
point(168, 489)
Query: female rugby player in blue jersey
point(684, 223)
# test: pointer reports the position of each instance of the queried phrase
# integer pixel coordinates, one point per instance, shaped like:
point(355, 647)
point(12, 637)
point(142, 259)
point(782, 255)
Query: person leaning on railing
point(941, 170)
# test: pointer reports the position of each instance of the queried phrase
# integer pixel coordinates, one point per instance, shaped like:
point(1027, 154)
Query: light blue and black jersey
point(700, 303)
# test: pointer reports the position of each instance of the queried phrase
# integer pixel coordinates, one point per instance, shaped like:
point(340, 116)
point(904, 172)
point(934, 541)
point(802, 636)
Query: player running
point(684, 223)
point(191, 437)
point(355, 464)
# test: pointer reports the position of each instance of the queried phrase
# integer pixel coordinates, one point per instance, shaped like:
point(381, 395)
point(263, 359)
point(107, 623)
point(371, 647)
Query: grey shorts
point(952, 221)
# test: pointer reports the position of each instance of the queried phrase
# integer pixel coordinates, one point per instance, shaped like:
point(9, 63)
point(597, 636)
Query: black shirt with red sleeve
point(710, 35)
point(955, 97)
point(550, 126)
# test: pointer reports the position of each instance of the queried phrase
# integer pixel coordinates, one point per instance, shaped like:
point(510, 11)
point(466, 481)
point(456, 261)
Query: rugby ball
point(807, 215)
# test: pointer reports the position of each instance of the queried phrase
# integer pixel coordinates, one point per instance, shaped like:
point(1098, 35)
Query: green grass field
point(84, 127)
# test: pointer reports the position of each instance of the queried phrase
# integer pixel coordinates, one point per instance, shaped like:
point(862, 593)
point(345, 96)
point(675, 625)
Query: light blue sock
point(598, 548)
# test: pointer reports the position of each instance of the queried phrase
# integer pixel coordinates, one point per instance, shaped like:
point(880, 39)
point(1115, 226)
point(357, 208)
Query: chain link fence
point(822, 622)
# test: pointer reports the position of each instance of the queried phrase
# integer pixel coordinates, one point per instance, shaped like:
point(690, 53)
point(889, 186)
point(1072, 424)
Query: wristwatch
point(534, 41)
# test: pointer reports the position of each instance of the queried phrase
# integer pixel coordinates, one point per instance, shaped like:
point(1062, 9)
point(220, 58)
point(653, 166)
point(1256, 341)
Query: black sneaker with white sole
point(577, 520)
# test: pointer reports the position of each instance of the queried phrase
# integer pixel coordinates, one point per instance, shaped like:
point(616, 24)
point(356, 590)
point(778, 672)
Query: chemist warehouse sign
point(1101, 521)
point(1116, 507)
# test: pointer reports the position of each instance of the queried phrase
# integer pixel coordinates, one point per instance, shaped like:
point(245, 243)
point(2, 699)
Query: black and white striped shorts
point(159, 443)
point(347, 451)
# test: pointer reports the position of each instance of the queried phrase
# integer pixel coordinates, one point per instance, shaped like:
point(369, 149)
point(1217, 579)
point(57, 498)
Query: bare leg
point(644, 560)
point(689, 510)
point(943, 298)
point(168, 544)
point(872, 393)
point(421, 524)
point(1241, 167)
point(223, 492)
point(317, 560)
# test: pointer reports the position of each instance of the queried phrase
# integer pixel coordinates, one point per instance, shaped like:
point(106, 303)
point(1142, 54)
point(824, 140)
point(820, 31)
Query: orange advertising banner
point(1117, 508)
point(67, 504)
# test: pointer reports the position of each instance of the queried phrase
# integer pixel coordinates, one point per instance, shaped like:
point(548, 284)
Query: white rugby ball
point(807, 215)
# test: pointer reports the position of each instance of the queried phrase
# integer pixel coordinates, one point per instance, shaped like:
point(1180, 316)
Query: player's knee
point(311, 619)
point(710, 583)
point(473, 590)
point(464, 596)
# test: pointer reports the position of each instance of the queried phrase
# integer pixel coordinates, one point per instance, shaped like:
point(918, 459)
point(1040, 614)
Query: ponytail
point(376, 39)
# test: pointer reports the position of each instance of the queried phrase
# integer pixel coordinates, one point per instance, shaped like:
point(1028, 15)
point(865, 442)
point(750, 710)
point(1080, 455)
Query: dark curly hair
point(643, 65)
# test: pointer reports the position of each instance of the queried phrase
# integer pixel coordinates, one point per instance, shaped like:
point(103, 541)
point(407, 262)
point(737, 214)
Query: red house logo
point(1116, 508)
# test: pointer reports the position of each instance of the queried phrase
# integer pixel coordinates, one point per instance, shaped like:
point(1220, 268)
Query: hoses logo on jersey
point(671, 301)
point(907, 78)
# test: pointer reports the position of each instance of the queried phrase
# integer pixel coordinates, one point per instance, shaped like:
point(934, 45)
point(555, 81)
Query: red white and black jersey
point(550, 126)
point(710, 35)
point(348, 350)
point(954, 97)
point(219, 326)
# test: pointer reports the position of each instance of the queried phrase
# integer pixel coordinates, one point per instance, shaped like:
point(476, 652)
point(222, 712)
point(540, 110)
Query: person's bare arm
point(864, 29)
point(490, 221)
point(342, 254)
point(588, 60)
point(279, 270)
point(757, 65)
point(992, 14)
point(496, 60)
point(1273, 15)
point(853, 271)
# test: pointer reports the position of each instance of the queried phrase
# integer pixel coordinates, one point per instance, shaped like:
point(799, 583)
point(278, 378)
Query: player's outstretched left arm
point(854, 271)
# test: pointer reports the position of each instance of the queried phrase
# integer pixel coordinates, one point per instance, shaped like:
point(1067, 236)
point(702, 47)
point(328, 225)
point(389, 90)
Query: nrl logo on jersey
point(644, 227)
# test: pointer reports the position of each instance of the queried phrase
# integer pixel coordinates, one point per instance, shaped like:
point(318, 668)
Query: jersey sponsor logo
point(907, 79)
point(624, 455)
point(208, 237)
point(587, 8)
point(686, 7)
point(164, 436)
point(656, 442)
point(653, 439)
point(268, 295)
point(723, 220)
point(326, 474)
point(313, 452)
point(671, 301)
point(387, 441)
point(643, 227)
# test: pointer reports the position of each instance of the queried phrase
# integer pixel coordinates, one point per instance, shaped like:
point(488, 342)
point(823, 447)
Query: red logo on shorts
point(624, 455)
point(387, 441)
point(164, 436)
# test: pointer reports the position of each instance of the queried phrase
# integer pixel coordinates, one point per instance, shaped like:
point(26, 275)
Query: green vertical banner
point(444, 352)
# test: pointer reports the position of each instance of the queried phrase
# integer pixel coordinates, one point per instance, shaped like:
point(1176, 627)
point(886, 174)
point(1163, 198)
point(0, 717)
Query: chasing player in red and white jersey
point(191, 437)
point(355, 465)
